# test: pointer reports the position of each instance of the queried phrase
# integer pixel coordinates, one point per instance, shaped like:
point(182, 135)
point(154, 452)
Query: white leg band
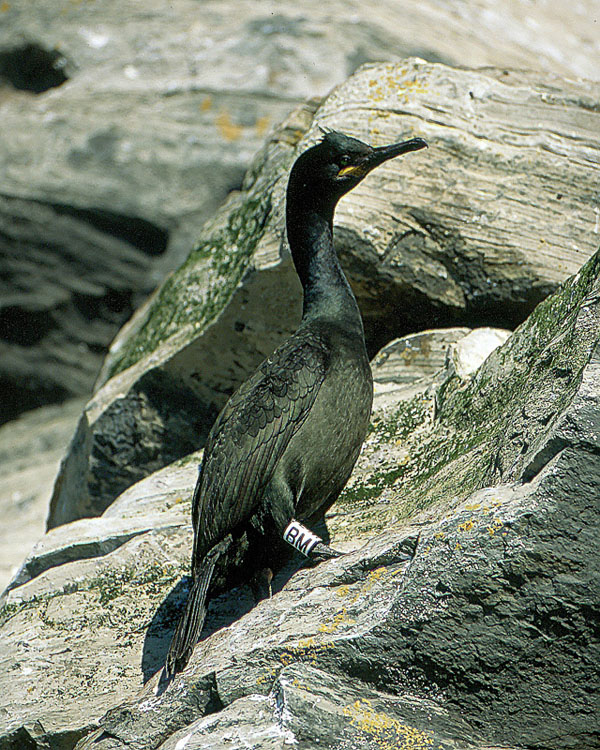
point(300, 537)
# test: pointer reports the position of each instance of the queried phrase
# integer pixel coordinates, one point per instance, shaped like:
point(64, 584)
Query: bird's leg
point(260, 584)
point(308, 543)
point(281, 508)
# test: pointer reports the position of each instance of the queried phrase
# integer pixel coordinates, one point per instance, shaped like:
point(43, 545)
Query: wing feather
point(252, 433)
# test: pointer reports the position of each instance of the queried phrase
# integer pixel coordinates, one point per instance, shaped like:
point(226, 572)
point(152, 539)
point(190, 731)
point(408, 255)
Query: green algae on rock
point(481, 431)
point(200, 288)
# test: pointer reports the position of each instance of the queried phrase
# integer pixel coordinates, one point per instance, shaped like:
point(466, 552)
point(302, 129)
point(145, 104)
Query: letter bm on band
point(300, 537)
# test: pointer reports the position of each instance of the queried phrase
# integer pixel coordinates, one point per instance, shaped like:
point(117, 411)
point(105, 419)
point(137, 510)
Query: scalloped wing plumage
point(252, 433)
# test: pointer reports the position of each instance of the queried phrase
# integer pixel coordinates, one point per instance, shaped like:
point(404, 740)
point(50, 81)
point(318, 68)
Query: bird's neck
point(327, 294)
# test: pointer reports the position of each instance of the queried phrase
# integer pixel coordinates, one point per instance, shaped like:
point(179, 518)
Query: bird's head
point(335, 165)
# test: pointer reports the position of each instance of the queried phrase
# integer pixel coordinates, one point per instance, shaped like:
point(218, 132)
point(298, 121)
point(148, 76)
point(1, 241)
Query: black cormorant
point(284, 445)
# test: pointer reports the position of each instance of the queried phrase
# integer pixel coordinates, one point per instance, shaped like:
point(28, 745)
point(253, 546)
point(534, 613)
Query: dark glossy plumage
point(251, 434)
point(286, 442)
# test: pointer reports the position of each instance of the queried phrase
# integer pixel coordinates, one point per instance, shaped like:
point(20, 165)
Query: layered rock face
point(465, 615)
point(457, 234)
point(125, 125)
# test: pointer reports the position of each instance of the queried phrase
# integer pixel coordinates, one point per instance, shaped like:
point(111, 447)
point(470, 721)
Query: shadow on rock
point(223, 610)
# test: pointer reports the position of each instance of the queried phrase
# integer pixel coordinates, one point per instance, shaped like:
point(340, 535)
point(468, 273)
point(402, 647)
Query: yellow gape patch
point(357, 170)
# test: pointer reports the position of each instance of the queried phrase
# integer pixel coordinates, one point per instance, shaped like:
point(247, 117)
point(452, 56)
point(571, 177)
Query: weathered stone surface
point(486, 603)
point(130, 123)
point(86, 598)
point(418, 355)
point(467, 617)
point(66, 286)
point(241, 46)
point(30, 452)
point(311, 708)
point(464, 356)
point(475, 230)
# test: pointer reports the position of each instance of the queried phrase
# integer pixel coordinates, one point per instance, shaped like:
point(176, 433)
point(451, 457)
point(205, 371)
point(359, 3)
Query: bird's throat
point(327, 293)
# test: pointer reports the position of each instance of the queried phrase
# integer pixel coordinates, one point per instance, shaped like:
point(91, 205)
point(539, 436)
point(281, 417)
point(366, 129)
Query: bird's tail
point(192, 619)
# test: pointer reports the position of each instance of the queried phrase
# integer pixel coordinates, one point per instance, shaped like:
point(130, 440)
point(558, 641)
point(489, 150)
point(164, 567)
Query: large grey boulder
point(124, 126)
point(485, 601)
point(468, 231)
point(465, 616)
point(311, 708)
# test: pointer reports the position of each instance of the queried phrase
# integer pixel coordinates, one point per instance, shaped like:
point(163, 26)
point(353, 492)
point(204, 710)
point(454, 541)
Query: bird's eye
point(345, 160)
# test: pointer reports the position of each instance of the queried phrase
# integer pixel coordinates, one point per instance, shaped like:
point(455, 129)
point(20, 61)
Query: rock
point(66, 286)
point(230, 47)
point(466, 355)
point(407, 366)
point(125, 127)
point(466, 233)
point(416, 356)
point(310, 707)
point(313, 708)
point(85, 599)
point(31, 448)
point(464, 617)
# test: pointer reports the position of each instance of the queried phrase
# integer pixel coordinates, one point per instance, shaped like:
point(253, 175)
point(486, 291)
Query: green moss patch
point(486, 430)
point(196, 293)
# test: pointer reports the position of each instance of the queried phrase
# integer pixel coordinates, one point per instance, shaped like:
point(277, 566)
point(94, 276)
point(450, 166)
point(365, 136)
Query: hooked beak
point(383, 153)
point(378, 155)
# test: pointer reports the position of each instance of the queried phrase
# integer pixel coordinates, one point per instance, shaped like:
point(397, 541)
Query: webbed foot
point(322, 551)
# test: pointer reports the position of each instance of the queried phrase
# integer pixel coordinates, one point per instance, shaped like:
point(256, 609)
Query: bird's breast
point(328, 443)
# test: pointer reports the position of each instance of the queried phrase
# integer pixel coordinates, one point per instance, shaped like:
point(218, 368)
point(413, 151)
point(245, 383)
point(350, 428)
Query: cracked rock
point(466, 234)
point(465, 609)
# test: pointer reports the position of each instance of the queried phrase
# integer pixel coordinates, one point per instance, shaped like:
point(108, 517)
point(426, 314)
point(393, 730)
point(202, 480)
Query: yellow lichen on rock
point(342, 591)
point(495, 526)
point(387, 733)
point(226, 127)
point(340, 619)
point(262, 124)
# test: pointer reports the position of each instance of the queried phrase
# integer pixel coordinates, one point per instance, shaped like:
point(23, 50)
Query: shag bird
point(283, 447)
